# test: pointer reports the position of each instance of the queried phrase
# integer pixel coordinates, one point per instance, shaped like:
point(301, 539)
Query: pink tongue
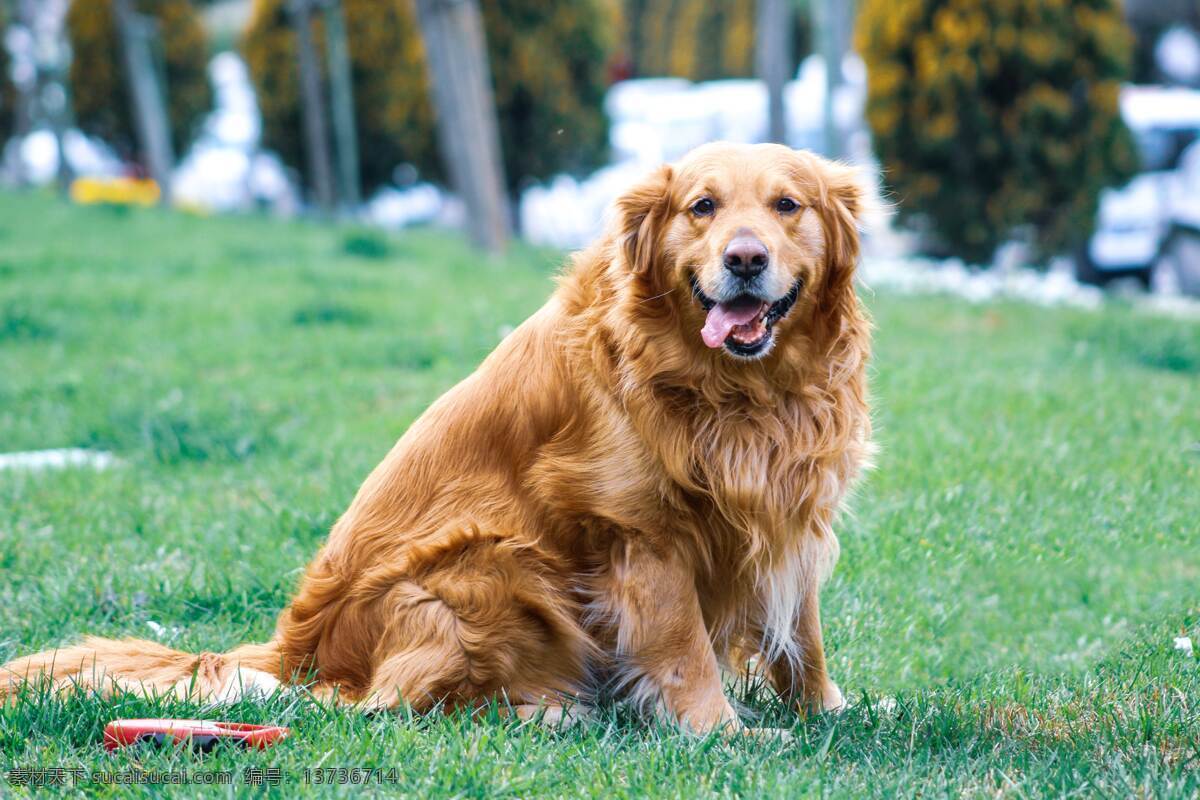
point(724, 318)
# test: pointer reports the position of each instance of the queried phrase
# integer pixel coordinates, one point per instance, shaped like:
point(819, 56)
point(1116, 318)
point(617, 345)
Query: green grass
point(1011, 577)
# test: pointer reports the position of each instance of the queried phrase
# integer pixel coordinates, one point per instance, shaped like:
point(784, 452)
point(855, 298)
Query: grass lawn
point(1011, 579)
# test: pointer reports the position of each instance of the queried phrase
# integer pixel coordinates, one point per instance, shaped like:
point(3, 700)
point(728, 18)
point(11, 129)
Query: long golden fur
point(606, 500)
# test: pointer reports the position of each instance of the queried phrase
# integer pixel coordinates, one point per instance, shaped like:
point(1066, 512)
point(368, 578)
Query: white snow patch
point(1178, 54)
point(34, 460)
point(1169, 305)
point(36, 155)
point(929, 276)
point(569, 213)
point(163, 633)
point(1055, 287)
point(226, 170)
point(397, 208)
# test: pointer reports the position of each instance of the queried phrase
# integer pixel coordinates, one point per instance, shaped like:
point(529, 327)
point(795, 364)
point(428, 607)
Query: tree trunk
point(831, 25)
point(312, 102)
point(773, 61)
point(468, 134)
point(149, 109)
point(341, 91)
point(27, 90)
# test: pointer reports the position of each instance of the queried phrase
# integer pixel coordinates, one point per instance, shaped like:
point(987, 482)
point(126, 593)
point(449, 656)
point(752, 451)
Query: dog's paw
point(832, 700)
point(769, 734)
point(716, 716)
point(551, 715)
point(245, 683)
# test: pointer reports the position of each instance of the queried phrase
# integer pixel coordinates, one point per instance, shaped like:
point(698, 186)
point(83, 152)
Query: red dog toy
point(200, 734)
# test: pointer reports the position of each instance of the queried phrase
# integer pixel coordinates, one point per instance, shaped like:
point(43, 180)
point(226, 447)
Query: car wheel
point(1085, 268)
point(1177, 270)
point(1086, 271)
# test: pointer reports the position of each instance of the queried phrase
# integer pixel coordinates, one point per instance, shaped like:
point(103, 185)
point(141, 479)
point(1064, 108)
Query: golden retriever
point(635, 488)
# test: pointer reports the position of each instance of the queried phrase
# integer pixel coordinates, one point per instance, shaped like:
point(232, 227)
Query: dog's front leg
point(662, 638)
point(800, 677)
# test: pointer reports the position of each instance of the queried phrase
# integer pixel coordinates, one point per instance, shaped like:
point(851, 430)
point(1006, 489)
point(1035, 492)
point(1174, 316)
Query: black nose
point(746, 256)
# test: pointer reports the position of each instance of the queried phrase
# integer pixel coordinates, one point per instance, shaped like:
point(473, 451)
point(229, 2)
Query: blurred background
point(1053, 141)
point(244, 244)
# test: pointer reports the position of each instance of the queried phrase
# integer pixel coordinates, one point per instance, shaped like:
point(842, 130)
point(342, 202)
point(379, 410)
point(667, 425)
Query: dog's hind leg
point(430, 663)
point(478, 618)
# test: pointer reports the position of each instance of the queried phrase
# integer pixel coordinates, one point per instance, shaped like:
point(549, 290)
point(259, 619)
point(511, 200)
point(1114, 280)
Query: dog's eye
point(704, 207)
point(786, 205)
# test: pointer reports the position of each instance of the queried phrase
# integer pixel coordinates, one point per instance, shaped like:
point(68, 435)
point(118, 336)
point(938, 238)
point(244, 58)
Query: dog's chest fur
point(751, 513)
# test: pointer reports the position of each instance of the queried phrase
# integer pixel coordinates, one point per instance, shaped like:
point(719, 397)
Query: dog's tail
point(140, 666)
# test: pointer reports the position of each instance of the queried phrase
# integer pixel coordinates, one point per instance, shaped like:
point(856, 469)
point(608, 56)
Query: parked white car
point(1149, 229)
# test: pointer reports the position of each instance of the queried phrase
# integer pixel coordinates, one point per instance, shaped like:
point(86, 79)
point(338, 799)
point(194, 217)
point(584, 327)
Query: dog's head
point(748, 244)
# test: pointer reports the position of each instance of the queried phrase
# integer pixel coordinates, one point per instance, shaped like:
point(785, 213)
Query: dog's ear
point(841, 203)
point(641, 214)
point(842, 206)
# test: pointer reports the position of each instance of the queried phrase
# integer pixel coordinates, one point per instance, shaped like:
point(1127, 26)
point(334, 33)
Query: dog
point(636, 489)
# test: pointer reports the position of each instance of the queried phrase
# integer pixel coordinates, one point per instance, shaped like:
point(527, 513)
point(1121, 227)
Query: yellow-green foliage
point(99, 90)
point(696, 39)
point(395, 122)
point(547, 62)
point(8, 95)
point(994, 114)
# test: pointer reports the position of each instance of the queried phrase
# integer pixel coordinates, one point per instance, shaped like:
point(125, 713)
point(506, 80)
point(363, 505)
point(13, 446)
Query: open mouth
point(744, 325)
